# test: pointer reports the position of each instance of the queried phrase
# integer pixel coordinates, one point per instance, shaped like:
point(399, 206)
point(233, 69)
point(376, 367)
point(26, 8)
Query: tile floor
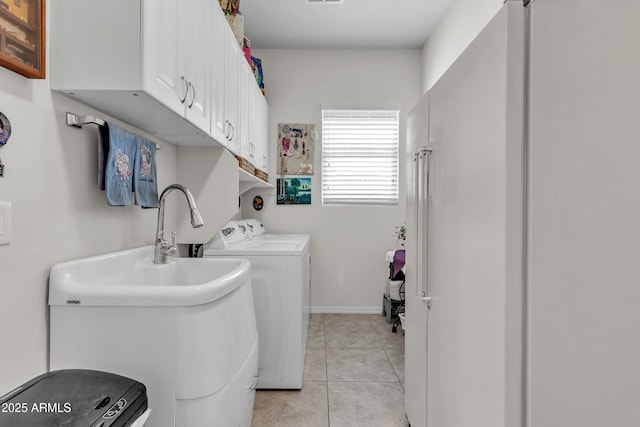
point(353, 376)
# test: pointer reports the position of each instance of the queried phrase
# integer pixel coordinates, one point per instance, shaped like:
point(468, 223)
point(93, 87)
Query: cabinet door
point(256, 121)
point(231, 93)
point(264, 155)
point(161, 52)
point(218, 76)
point(196, 43)
point(246, 112)
point(260, 126)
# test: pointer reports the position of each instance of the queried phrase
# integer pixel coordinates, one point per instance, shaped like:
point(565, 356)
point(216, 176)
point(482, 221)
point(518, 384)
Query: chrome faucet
point(162, 247)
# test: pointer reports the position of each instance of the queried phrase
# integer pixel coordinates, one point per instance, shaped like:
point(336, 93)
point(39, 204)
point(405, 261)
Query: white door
point(585, 214)
point(475, 231)
point(197, 45)
point(219, 28)
point(415, 306)
point(162, 54)
point(232, 93)
point(264, 133)
point(258, 125)
point(255, 120)
point(246, 122)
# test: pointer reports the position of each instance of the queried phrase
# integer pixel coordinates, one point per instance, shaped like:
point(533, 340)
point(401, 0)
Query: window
point(360, 157)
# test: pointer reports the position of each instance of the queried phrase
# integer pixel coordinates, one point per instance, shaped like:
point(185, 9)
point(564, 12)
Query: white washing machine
point(281, 282)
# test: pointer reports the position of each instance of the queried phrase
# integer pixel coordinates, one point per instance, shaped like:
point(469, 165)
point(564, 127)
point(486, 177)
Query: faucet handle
point(165, 247)
point(170, 249)
point(173, 243)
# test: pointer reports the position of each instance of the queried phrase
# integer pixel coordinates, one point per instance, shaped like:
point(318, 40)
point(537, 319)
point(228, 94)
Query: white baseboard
point(347, 310)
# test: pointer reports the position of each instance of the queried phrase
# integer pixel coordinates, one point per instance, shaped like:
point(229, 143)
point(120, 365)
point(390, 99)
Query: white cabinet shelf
point(248, 181)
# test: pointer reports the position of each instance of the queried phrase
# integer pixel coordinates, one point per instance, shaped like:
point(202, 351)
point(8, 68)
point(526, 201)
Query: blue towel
point(116, 155)
point(145, 183)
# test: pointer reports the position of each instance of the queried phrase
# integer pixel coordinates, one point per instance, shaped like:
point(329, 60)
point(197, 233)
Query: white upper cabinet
point(197, 65)
point(264, 132)
point(259, 130)
point(165, 66)
point(232, 93)
point(246, 118)
point(218, 89)
point(162, 53)
point(169, 67)
point(253, 120)
point(176, 71)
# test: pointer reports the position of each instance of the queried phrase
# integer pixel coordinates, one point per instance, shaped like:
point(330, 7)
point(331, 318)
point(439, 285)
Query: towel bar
point(77, 121)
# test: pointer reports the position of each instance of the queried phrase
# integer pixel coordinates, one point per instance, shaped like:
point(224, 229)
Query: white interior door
point(476, 231)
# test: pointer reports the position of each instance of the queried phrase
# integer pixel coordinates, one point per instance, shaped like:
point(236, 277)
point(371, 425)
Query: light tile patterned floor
point(353, 377)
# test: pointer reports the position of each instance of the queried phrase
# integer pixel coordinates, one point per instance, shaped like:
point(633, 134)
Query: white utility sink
point(186, 329)
point(129, 278)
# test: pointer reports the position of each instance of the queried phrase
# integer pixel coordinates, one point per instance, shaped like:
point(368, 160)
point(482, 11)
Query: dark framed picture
point(294, 191)
point(23, 37)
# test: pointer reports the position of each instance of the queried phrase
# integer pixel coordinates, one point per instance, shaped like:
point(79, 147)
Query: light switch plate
point(5, 223)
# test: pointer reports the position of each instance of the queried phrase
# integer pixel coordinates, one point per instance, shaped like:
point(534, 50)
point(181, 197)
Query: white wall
point(459, 26)
point(50, 179)
point(59, 215)
point(348, 243)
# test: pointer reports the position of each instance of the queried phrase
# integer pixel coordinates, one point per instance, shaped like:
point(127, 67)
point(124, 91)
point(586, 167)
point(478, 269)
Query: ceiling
point(280, 24)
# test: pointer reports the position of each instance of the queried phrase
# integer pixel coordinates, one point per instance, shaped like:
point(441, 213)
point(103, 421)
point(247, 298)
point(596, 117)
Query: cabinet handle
point(227, 129)
point(193, 91)
point(233, 131)
point(186, 89)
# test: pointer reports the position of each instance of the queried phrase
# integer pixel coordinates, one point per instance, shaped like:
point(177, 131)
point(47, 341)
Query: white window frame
point(360, 151)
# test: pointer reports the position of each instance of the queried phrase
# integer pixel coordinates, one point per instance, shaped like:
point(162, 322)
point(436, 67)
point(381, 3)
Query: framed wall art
point(22, 37)
point(295, 148)
point(294, 190)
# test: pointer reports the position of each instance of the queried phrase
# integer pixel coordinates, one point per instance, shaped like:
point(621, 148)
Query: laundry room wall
point(58, 214)
point(462, 22)
point(348, 243)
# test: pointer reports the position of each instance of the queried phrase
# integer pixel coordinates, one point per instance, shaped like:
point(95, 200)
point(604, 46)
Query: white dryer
point(281, 282)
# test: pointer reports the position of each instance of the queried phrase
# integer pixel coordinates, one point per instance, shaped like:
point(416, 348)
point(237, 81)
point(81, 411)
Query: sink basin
point(129, 278)
point(185, 329)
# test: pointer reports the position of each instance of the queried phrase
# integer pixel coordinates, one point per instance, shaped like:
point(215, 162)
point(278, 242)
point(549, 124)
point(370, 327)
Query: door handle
point(426, 299)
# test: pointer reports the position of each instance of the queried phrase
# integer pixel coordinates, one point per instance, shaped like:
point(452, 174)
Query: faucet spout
point(162, 247)
point(196, 218)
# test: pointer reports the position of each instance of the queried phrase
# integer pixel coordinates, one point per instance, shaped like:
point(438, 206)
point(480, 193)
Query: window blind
point(360, 157)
